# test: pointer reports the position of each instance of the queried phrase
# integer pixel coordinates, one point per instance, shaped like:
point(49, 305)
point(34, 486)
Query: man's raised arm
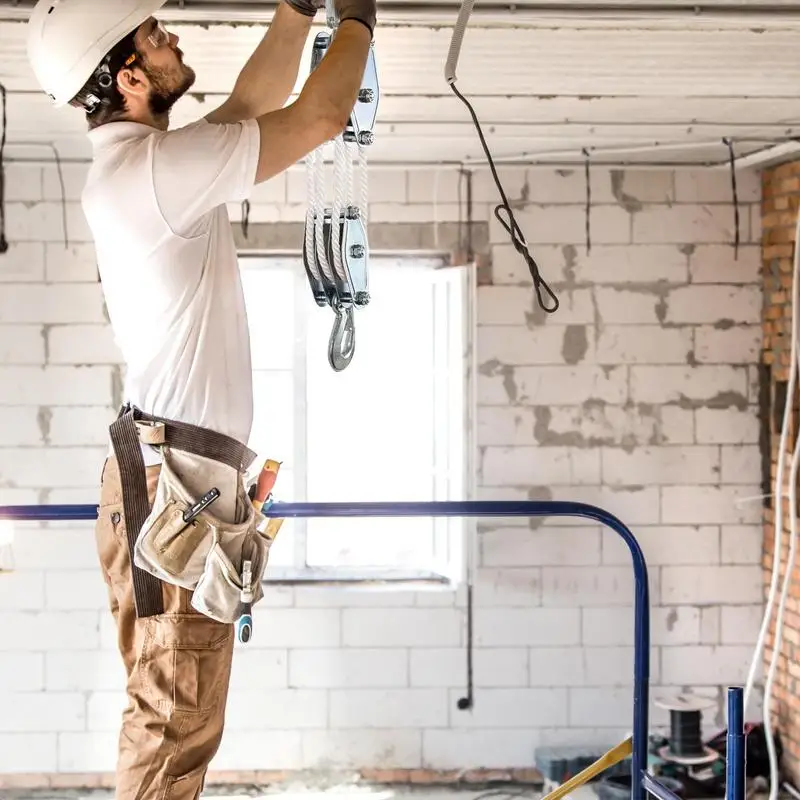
point(267, 79)
point(324, 106)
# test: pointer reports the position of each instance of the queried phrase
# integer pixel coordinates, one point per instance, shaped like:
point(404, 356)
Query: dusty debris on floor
point(498, 792)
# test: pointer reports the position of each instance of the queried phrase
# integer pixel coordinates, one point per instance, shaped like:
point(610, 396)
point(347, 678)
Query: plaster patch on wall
point(117, 386)
point(720, 400)
point(46, 339)
point(494, 367)
point(44, 419)
point(576, 344)
point(627, 201)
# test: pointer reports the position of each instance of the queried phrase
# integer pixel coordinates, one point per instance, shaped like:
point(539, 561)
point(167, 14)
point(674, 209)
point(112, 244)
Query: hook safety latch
point(342, 344)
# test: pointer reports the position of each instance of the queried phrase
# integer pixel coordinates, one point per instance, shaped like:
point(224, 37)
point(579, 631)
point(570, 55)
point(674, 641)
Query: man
point(155, 201)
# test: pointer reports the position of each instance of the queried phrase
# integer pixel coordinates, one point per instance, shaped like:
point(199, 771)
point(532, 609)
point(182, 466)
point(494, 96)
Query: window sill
point(373, 578)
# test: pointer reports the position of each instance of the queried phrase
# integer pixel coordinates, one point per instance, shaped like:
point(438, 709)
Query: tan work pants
point(178, 667)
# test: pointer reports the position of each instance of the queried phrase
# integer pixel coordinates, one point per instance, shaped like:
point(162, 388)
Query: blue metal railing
point(642, 781)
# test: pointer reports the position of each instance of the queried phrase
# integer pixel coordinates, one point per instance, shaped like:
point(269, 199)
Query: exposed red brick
point(781, 201)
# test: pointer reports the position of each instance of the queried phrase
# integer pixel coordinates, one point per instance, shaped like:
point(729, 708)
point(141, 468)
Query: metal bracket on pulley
point(336, 256)
point(361, 127)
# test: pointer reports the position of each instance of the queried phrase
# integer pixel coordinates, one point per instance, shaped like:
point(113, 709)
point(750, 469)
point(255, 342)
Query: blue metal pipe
point(736, 759)
point(487, 508)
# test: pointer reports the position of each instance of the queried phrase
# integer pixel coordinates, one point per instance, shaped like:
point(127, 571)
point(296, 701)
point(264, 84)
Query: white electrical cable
point(459, 29)
point(794, 364)
point(778, 644)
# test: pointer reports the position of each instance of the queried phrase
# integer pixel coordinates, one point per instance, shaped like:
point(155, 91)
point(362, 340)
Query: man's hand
point(307, 8)
point(362, 11)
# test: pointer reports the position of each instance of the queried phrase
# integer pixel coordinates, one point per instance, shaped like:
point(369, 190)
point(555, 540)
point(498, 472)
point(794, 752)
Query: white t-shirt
point(155, 202)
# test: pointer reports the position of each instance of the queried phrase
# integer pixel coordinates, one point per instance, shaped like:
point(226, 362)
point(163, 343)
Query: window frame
point(454, 537)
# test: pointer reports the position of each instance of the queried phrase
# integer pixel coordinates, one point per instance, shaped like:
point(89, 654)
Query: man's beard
point(165, 93)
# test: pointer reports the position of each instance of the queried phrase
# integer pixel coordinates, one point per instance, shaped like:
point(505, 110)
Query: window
point(391, 427)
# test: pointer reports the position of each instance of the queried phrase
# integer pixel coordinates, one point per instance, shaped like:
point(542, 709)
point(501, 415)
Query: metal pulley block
point(336, 247)
point(352, 286)
point(355, 254)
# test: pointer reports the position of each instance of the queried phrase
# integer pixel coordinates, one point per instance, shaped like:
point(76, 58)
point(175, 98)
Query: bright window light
point(391, 427)
point(6, 532)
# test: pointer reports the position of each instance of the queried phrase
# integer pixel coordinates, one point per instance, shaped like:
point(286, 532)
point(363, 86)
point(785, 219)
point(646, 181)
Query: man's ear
point(132, 81)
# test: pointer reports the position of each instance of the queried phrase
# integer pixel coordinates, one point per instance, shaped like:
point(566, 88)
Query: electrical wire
point(59, 169)
point(3, 240)
point(511, 226)
point(588, 175)
point(732, 161)
point(246, 218)
point(468, 700)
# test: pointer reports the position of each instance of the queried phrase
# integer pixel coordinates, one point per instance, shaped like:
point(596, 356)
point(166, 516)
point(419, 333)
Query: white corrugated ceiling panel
point(541, 90)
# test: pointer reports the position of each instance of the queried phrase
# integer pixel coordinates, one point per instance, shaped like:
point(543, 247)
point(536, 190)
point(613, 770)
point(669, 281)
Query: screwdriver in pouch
point(244, 626)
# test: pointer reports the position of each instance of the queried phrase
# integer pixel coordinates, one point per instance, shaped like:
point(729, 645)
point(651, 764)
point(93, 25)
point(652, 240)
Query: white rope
point(340, 193)
point(363, 185)
point(349, 196)
point(319, 223)
point(312, 213)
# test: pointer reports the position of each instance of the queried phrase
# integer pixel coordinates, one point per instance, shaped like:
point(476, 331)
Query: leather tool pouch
point(211, 552)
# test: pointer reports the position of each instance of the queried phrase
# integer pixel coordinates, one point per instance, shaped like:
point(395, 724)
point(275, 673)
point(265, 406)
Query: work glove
point(362, 10)
point(307, 7)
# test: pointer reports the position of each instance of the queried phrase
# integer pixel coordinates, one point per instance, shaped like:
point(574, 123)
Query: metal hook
point(342, 344)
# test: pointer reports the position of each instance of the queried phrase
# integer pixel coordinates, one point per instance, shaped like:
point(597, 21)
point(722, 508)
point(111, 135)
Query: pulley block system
point(336, 246)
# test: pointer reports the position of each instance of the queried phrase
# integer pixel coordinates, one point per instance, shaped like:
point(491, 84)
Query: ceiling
point(625, 82)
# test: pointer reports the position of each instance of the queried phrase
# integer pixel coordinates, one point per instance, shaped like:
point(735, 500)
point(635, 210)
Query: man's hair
point(100, 98)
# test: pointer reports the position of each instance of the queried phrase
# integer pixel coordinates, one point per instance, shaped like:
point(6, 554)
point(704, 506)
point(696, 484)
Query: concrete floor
point(500, 792)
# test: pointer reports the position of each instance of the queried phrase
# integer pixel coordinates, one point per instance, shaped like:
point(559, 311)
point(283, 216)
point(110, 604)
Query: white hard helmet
point(68, 39)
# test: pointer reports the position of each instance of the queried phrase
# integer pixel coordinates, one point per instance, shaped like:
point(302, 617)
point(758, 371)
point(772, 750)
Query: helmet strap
point(100, 89)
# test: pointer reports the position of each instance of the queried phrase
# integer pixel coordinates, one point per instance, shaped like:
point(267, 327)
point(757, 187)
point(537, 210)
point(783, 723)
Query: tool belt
point(202, 530)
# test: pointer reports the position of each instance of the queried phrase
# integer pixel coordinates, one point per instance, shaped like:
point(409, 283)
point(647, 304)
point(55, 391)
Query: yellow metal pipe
point(609, 759)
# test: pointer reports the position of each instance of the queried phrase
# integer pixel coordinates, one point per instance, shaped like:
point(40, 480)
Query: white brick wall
point(637, 396)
